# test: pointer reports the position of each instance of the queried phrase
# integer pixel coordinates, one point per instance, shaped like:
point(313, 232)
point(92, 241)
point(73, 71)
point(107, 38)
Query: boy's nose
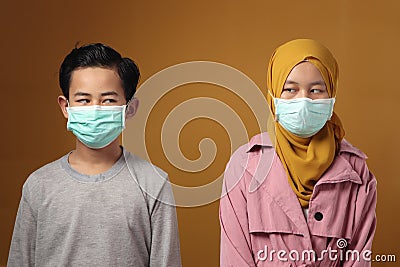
point(96, 102)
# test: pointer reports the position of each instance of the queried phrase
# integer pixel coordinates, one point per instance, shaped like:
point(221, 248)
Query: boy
point(94, 206)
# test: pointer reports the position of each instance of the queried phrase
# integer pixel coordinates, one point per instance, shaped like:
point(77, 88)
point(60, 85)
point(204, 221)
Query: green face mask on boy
point(96, 126)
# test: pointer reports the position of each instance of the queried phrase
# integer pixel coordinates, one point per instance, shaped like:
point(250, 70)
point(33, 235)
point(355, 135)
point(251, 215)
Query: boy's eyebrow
point(102, 94)
point(109, 93)
point(81, 94)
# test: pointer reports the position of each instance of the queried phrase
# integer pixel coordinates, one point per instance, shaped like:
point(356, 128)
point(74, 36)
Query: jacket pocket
point(266, 216)
point(336, 205)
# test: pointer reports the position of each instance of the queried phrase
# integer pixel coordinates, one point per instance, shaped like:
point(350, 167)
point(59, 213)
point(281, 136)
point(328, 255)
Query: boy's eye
point(107, 101)
point(83, 101)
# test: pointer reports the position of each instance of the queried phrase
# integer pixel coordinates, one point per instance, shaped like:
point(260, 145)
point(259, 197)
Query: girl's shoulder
point(347, 147)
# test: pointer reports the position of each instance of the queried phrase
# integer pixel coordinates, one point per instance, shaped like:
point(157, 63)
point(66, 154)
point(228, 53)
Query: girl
point(299, 195)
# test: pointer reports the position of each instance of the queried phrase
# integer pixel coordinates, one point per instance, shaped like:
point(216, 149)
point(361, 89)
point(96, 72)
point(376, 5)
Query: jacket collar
point(263, 140)
point(259, 140)
point(261, 147)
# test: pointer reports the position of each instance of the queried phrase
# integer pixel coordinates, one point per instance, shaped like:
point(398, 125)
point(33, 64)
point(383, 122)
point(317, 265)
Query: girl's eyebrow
point(313, 83)
point(318, 83)
point(291, 82)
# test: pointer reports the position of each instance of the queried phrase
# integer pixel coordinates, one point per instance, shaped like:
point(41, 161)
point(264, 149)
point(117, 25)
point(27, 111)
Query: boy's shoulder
point(145, 173)
point(34, 183)
point(47, 170)
point(143, 166)
point(152, 180)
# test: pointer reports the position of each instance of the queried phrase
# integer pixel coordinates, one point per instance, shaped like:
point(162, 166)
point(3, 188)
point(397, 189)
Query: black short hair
point(99, 55)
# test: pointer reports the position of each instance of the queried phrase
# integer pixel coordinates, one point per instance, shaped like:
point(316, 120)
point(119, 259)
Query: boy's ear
point(63, 103)
point(132, 108)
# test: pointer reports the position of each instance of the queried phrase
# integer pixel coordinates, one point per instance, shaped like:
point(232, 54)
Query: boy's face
point(96, 86)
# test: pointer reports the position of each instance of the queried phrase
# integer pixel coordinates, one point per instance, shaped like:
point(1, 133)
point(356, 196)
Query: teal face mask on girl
point(303, 117)
point(96, 126)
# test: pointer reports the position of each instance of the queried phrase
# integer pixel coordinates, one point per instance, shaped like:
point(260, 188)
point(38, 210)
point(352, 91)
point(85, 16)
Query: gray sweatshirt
point(122, 217)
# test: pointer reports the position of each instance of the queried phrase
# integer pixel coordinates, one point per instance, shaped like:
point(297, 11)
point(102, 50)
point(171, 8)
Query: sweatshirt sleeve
point(364, 231)
point(165, 251)
point(22, 249)
point(235, 237)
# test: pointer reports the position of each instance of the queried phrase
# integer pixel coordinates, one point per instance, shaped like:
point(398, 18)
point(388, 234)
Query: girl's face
point(304, 80)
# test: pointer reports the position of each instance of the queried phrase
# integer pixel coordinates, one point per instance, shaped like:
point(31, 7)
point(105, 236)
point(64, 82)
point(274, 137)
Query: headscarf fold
point(304, 159)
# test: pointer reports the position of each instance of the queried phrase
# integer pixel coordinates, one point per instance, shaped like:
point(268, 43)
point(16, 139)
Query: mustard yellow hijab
point(304, 159)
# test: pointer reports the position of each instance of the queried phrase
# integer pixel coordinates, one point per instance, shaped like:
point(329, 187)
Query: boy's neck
point(94, 161)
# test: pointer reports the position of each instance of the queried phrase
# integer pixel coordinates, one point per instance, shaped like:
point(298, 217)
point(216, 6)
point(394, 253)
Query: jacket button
point(318, 216)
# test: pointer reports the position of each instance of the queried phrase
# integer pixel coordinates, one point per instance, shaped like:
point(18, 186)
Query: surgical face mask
point(303, 117)
point(96, 126)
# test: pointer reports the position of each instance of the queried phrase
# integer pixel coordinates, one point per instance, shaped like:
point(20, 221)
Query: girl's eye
point(316, 91)
point(289, 90)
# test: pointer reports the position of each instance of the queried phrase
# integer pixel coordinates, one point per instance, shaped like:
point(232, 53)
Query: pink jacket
point(263, 224)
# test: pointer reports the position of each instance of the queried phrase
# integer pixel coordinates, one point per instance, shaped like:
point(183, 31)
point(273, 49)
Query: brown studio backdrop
point(363, 35)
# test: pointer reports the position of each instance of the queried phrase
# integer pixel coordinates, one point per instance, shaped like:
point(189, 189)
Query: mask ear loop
point(270, 108)
point(271, 124)
point(126, 109)
point(68, 107)
point(128, 103)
